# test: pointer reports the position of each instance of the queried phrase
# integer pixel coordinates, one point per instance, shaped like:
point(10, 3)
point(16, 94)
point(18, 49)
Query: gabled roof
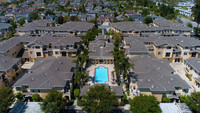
point(74, 26)
point(136, 45)
point(7, 62)
point(172, 41)
point(195, 63)
point(155, 74)
point(101, 48)
point(132, 26)
point(168, 24)
point(48, 73)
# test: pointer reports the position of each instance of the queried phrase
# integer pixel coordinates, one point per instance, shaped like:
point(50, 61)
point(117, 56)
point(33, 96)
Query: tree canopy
point(22, 21)
point(34, 15)
point(36, 97)
point(148, 20)
point(99, 99)
point(193, 102)
point(7, 98)
point(19, 96)
point(53, 103)
point(144, 104)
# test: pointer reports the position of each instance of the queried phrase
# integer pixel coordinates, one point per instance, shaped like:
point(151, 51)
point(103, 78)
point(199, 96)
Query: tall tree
point(193, 102)
point(22, 21)
point(53, 103)
point(196, 13)
point(34, 15)
point(148, 20)
point(144, 104)
point(7, 98)
point(60, 20)
point(99, 99)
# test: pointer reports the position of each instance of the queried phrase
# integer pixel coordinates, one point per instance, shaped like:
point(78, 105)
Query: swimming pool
point(101, 75)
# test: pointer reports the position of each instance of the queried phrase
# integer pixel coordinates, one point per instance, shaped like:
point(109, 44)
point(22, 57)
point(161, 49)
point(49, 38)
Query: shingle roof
point(10, 43)
point(168, 24)
point(48, 73)
point(5, 25)
point(74, 26)
point(57, 40)
point(7, 62)
point(37, 24)
point(136, 45)
point(100, 49)
point(155, 74)
point(172, 41)
point(132, 26)
point(195, 63)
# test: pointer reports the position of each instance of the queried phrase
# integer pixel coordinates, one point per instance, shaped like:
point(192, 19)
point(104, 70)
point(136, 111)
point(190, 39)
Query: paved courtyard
point(91, 71)
point(179, 68)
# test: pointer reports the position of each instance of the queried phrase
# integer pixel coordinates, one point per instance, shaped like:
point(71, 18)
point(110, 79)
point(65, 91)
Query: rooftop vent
point(4, 61)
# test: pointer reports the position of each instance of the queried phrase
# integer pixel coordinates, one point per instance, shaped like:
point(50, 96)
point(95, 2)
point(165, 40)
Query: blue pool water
point(101, 75)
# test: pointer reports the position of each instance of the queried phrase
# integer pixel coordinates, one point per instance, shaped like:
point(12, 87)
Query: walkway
point(179, 68)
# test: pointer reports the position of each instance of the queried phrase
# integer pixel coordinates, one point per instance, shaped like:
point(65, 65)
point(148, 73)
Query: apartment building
point(9, 69)
point(36, 27)
point(175, 49)
point(41, 26)
point(100, 50)
point(14, 45)
point(136, 28)
point(158, 27)
point(51, 45)
point(171, 28)
point(192, 70)
point(134, 46)
point(46, 74)
point(154, 76)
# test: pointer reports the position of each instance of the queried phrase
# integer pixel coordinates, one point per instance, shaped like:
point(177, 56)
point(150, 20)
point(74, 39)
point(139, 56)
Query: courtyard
point(111, 80)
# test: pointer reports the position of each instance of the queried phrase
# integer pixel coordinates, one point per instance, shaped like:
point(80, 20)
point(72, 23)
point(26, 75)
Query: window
point(32, 90)
point(168, 47)
point(17, 88)
point(32, 52)
point(56, 52)
point(37, 47)
point(31, 47)
point(56, 47)
point(159, 53)
point(193, 54)
point(8, 71)
point(186, 47)
point(185, 53)
point(38, 54)
point(167, 55)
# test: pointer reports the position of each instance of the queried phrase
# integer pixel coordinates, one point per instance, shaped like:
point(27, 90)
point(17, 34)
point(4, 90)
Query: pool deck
point(91, 70)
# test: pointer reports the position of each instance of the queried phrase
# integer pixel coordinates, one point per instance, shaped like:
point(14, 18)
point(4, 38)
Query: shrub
point(76, 92)
point(36, 97)
point(183, 99)
point(128, 93)
point(19, 96)
point(124, 98)
point(165, 100)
